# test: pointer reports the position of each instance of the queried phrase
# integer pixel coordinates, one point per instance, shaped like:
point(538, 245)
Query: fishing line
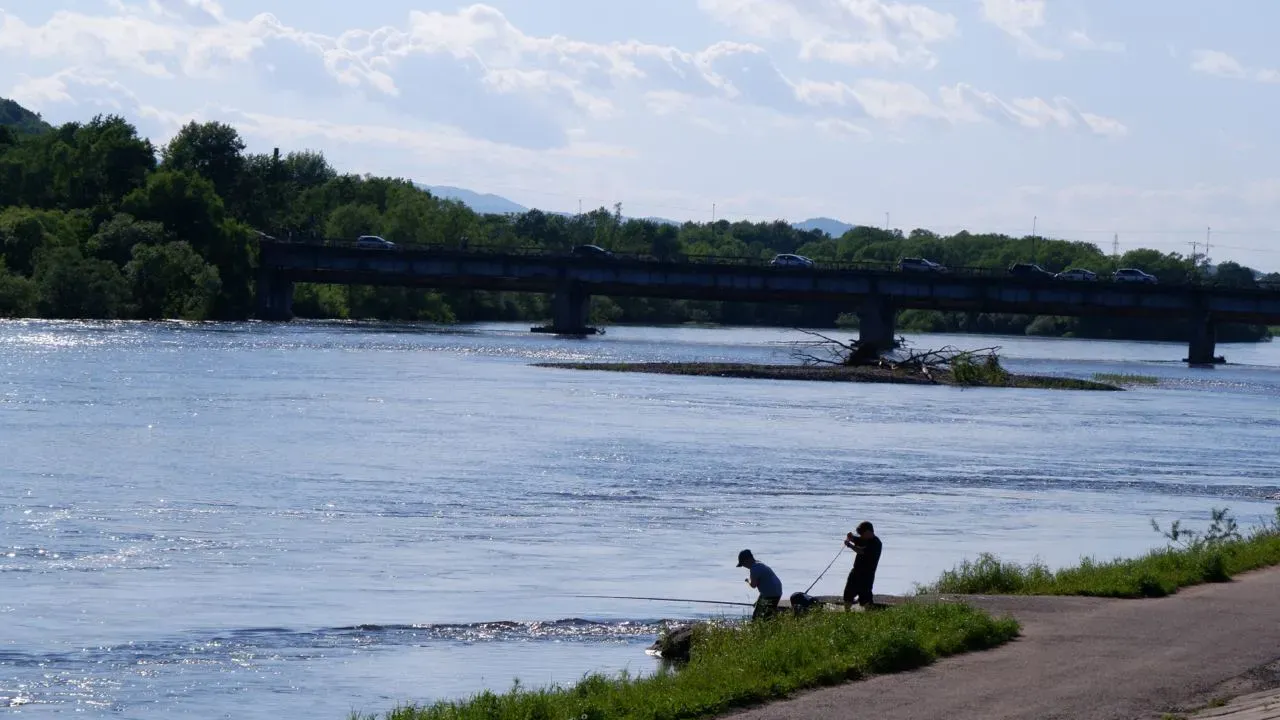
point(824, 570)
point(664, 600)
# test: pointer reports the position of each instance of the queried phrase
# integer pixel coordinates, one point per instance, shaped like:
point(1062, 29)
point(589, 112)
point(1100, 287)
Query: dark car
point(912, 264)
point(1134, 275)
point(594, 251)
point(790, 260)
point(1030, 271)
point(373, 242)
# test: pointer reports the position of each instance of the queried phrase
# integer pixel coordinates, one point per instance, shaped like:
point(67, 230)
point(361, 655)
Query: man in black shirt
point(866, 547)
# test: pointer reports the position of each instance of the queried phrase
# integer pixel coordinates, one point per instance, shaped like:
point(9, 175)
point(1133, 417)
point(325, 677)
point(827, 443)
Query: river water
point(264, 521)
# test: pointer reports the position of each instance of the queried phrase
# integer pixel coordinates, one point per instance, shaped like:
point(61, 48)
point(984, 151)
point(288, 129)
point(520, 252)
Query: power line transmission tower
point(1115, 246)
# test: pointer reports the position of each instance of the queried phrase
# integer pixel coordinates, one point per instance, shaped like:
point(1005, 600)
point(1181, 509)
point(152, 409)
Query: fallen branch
point(824, 350)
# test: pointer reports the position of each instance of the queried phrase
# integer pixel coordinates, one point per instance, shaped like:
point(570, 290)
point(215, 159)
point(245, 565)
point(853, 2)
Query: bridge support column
point(1204, 337)
point(570, 311)
point(275, 297)
point(876, 320)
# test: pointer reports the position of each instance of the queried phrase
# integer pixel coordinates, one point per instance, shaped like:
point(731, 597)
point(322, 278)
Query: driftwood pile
point(823, 350)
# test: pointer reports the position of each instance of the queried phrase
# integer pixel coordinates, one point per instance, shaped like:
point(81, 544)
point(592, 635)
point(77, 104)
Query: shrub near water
point(740, 665)
point(1191, 558)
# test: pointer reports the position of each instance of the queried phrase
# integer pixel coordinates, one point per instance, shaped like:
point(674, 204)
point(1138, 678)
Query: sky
point(1143, 122)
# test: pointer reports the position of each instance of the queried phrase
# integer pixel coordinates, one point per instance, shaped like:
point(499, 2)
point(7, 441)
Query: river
point(265, 521)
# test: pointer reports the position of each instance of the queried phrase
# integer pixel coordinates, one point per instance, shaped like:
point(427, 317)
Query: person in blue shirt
point(764, 580)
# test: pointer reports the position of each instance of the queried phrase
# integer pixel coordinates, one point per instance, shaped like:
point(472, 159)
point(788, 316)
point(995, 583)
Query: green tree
point(186, 205)
point(172, 281)
point(190, 210)
point(17, 294)
point(110, 162)
point(1233, 274)
point(212, 150)
point(69, 285)
point(22, 234)
point(117, 237)
point(349, 221)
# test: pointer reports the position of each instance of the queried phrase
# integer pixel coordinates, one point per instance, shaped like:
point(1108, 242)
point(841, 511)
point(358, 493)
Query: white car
point(788, 260)
point(1133, 275)
point(1077, 274)
point(373, 242)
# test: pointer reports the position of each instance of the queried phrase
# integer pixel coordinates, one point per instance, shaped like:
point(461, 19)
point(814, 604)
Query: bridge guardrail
point(739, 261)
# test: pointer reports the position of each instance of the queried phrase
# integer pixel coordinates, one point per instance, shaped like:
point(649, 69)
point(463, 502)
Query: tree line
point(97, 222)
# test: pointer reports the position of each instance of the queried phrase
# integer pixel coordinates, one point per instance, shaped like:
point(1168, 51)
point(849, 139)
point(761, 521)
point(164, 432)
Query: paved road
point(1082, 658)
point(1257, 706)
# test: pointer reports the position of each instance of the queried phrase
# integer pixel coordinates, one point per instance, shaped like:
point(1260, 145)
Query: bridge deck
point(716, 279)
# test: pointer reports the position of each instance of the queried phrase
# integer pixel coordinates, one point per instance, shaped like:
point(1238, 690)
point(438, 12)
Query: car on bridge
point(1134, 275)
point(789, 260)
point(373, 242)
point(1030, 271)
point(593, 251)
point(1077, 274)
point(920, 265)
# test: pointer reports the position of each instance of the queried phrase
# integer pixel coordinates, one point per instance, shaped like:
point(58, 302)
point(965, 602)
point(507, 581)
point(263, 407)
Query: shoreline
point(829, 373)
point(1087, 631)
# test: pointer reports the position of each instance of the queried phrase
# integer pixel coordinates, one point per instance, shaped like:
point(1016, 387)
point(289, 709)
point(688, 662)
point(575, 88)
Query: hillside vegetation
point(97, 222)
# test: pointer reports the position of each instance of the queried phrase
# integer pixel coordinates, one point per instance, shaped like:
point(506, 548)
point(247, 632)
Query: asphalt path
point(1089, 658)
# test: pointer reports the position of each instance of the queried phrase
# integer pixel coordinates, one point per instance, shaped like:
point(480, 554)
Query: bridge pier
point(275, 297)
point(876, 324)
point(570, 311)
point(1204, 337)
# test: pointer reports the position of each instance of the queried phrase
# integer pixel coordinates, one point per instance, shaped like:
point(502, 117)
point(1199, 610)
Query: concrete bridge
point(876, 293)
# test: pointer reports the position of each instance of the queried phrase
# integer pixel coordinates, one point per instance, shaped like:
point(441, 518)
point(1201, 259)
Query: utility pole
point(713, 213)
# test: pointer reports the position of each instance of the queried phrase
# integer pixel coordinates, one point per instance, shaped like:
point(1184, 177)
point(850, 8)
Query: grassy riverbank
point(837, 373)
point(1215, 556)
point(736, 666)
point(1126, 379)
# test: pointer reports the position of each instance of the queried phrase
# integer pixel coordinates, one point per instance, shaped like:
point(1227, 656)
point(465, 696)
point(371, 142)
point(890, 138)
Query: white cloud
point(843, 129)
point(894, 102)
point(847, 32)
point(1081, 40)
point(1033, 112)
point(95, 93)
point(470, 99)
point(491, 69)
point(1016, 18)
point(1220, 64)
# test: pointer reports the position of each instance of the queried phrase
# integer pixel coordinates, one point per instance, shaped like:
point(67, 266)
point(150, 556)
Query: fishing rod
point(824, 570)
point(661, 599)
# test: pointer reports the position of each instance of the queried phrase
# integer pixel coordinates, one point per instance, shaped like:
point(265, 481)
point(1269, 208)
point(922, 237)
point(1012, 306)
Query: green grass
point(736, 666)
point(1126, 379)
point(1215, 556)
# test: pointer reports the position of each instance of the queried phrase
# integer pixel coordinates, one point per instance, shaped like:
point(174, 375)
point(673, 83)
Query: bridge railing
point(879, 266)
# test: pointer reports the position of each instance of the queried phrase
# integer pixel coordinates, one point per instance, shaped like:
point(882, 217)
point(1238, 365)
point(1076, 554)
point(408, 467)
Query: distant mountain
point(488, 203)
point(482, 203)
point(21, 119)
point(834, 228)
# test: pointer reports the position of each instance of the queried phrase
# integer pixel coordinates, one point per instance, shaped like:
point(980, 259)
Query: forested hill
point(20, 119)
point(96, 222)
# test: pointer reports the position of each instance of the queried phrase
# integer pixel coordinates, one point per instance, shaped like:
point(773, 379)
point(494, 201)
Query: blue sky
point(1094, 117)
